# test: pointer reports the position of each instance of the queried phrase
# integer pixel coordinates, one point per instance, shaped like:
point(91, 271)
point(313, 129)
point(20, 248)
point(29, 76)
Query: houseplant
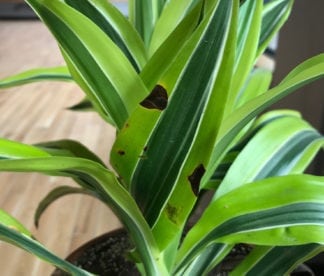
point(178, 82)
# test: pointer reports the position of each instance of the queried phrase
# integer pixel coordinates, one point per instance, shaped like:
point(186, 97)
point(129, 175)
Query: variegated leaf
point(116, 26)
point(34, 75)
point(285, 211)
point(112, 84)
point(98, 180)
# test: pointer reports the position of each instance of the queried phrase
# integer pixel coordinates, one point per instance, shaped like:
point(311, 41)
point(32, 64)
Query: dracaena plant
point(178, 81)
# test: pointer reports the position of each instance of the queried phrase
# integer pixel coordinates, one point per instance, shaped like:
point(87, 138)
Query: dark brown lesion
point(195, 178)
point(172, 213)
point(158, 98)
point(144, 155)
point(121, 152)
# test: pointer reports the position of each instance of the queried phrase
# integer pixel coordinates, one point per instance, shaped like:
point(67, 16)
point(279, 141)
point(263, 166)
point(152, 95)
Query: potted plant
point(177, 80)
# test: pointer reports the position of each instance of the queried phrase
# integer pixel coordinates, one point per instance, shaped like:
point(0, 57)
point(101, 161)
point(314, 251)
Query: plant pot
point(104, 255)
point(317, 264)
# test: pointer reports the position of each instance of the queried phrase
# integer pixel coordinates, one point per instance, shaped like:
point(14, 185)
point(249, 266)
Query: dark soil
point(105, 256)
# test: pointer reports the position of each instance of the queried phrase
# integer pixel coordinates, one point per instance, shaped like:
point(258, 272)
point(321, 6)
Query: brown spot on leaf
point(158, 98)
point(121, 152)
point(143, 156)
point(145, 148)
point(172, 213)
point(195, 178)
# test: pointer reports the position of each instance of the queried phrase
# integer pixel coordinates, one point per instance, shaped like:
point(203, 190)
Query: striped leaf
point(143, 14)
point(157, 174)
point(276, 260)
point(187, 188)
point(241, 143)
point(247, 42)
point(290, 150)
point(256, 84)
point(256, 31)
point(98, 180)
point(275, 14)
point(263, 154)
point(12, 231)
point(69, 148)
point(116, 26)
point(205, 262)
point(10, 222)
point(60, 73)
point(164, 58)
point(172, 15)
point(281, 211)
point(15, 150)
point(28, 244)
point(108, 82)
point(141, 123)
point(303, 74)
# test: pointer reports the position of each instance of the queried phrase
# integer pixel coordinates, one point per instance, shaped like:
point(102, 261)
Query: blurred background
point(301, 38)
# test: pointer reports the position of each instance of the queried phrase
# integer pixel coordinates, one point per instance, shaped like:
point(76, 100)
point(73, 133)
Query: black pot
point(104, 255)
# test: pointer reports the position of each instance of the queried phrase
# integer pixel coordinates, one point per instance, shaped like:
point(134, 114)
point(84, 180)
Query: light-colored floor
point(34, 113)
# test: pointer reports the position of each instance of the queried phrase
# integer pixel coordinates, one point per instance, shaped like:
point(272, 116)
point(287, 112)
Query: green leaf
point(13, 232)
point(246, 137)
point(143, 120)
point(264, 155)
point(54, 195)
point(275, 14)
point(257, 83)
point(276, 260)
point(163, 58)
point(15, 150)
point(108, 82)
point(283, 211)
point(34, 75)
point(303, 68)
point(69, 148)
point(26, 243)
point(171, 16)
point(187, 187)
point(10, 222)
point(143, 14)
point(267, 154)
point(305, 73)
point(189, 98)
point(205, 262)
point(100, 181)
point(248, 33)
point(109, 19)
point(146, 166)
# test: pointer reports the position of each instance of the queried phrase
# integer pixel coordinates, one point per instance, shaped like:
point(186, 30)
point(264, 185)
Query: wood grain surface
point(37, 112)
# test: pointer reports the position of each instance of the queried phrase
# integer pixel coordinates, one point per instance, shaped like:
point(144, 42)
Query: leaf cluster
point(178, 81)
